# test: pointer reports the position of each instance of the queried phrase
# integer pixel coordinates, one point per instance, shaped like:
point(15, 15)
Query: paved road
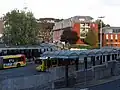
point(18, 72)
point(114, 85)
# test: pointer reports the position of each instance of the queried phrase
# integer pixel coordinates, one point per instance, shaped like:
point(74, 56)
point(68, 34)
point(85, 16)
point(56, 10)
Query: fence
point(55, 78)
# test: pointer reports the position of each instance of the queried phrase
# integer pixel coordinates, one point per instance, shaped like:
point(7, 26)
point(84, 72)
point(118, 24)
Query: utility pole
point(101, 31)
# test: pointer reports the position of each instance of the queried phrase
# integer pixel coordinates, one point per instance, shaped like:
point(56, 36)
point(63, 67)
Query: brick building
point(111, 36)
point(80, 24)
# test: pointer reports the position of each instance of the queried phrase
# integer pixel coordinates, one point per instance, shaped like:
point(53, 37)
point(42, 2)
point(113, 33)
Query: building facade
point(45, 29)
point(111, 36)
point(80, 24)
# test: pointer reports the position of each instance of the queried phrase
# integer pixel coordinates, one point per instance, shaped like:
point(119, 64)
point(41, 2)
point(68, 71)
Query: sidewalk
point(92, 83)
point(98, 82)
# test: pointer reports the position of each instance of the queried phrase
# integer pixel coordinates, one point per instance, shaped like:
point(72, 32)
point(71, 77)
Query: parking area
point(19, 72)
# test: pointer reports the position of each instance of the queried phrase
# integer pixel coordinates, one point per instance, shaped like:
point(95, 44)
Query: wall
point(55, 78)
point(114, 42)
point(76, 28)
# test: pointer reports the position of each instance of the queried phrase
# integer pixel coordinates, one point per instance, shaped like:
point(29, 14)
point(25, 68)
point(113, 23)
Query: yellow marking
point(11, 56)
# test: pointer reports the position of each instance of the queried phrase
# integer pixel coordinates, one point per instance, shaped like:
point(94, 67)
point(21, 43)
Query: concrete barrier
point(45, 81)
point(32, 81)
point(83, 75)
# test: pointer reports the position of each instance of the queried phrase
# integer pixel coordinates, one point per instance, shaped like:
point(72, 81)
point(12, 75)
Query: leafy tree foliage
point(45, 28)
point(20, 28)
point(92, 38)
point(69, 36)
point(99, 24)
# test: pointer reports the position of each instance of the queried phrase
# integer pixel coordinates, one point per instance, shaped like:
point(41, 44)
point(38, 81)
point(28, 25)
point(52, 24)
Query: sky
point(110, 9)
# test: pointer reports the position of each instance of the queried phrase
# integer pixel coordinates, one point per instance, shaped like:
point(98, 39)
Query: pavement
point(112, 83)
point(27, 70)
point(99, 82)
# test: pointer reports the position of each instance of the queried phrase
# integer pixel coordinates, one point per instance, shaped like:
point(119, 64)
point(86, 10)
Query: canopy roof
point(79, 53)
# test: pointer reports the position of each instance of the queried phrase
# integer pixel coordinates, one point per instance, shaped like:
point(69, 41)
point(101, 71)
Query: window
point(107, 40)
point(111, 36)
point(106, 36)
point(116, 36)
point(82, 40)
point(82, 19)
point(82, 25)
point(12, 60)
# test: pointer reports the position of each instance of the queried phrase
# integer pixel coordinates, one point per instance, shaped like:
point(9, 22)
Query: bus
point(11, 61)
point(53, 62)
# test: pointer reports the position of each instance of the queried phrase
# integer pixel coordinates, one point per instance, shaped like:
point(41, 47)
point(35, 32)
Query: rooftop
point(79, 53)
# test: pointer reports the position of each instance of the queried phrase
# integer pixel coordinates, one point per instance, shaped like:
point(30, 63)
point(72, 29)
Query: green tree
point(92, 38)
point(69, 36)
point(45, 28)
point(103, 24)
point(20, 28)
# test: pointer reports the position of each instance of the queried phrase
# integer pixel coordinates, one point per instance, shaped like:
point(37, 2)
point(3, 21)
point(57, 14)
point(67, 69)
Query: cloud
point(67, 8)
point(112, 3)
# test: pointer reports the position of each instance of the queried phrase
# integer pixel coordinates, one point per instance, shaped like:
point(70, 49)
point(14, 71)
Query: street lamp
point(101, 31)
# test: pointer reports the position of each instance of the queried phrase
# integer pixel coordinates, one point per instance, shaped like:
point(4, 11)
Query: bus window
point(1, 63)
point(5, 60)
point(49, 63)
point(54, 62)
point(60, 62)
point(17, 61)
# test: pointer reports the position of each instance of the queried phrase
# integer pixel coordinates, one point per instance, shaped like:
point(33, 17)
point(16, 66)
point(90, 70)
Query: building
point(45, 28)
point(80, 24)
point(111, 36)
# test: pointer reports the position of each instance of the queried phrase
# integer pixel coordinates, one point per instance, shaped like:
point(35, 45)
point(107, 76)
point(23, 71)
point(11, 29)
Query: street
point(18, 72)
point(114, 85)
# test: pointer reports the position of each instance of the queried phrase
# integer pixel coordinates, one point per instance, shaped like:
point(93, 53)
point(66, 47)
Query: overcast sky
point(67, 8)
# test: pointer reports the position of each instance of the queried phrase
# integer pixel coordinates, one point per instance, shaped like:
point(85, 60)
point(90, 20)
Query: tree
point(20, 28)
point(99, 24)
point(69, 36)
point(45, 28)
point(99, 27)
point(92, 38)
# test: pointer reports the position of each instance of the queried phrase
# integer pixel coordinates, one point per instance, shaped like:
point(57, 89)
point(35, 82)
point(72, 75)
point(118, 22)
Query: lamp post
point(101, 31)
